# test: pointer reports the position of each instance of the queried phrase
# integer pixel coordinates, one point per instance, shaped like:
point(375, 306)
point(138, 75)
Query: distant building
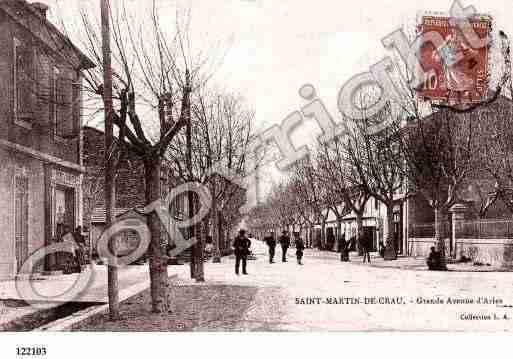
point(40, 136)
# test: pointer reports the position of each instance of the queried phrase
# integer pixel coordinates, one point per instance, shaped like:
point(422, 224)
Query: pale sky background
point(273, 47)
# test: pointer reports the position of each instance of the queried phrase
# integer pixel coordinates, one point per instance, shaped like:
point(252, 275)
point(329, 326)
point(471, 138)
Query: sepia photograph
point(253, 166)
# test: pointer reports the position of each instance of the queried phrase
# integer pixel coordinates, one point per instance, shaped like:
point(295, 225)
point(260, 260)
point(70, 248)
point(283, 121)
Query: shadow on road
point(195, 308)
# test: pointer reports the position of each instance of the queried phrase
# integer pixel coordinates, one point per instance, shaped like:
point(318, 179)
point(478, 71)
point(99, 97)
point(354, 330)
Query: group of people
point(346, 246)
point(73, 260)
point(285, 242)
point(242, 245)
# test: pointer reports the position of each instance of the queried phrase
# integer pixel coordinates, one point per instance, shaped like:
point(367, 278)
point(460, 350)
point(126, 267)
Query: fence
point(427, 230)
point(486, 229)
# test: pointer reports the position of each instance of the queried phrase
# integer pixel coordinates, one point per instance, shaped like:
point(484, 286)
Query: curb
point(65, 324)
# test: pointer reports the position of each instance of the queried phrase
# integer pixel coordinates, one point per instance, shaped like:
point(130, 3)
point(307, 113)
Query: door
point(21, 220)
point(69, 198)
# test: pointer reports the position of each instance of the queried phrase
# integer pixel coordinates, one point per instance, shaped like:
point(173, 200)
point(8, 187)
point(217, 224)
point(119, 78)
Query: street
point(331, 283)
point(325, 294)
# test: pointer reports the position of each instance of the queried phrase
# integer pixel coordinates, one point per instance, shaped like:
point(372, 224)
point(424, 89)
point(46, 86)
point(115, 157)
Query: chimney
point(40, 8)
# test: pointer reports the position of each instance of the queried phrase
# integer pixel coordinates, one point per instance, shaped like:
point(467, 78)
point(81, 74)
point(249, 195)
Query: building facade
point(374, 225)
point(40, 137)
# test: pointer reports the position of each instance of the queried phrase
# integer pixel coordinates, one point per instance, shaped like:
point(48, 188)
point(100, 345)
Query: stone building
point(40, 132)
point(129, 184)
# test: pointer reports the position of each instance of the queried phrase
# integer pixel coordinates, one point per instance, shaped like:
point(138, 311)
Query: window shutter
point(59, 98)
point(24, 82)
point(44, 83)
point(64, 106)
point(76, 99)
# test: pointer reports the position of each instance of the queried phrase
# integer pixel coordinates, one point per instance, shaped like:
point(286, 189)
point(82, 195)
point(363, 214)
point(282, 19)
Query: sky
point(271, 48)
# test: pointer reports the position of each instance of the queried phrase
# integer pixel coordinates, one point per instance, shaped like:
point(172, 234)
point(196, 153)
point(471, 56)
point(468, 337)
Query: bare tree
point(342, 181)
point(376, 162)
point(495, 153)
point(221, 133)
point(313, 194)
point(152, 72)
point(439, 156)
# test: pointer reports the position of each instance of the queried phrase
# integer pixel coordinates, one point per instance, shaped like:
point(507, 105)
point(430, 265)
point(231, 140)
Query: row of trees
point(437, 151)
point(339, 177)
point(438, 156)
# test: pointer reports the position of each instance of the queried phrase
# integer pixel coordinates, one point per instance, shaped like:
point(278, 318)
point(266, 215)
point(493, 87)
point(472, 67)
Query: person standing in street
point(300, 247)
point(271, 243)
point(344, 248)
point(364, 242)
point(285, 244)
point(241, 247)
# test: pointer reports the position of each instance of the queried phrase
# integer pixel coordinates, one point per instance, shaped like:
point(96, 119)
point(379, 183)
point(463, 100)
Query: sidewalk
point(13, 307)
point(403, 262)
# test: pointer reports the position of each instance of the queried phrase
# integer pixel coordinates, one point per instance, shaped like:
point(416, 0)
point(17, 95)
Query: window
point(376, 204)
point(24, 79)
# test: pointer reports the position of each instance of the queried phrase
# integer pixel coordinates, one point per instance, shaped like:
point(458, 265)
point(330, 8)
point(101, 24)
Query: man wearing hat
point(241, 248)
point(271, 243)
point(285, 244)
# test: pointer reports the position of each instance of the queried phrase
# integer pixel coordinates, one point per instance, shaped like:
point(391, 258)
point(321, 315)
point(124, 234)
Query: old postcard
point(255, 165)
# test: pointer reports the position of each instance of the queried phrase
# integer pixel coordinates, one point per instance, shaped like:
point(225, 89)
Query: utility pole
point(193, 204)
point(109, 186)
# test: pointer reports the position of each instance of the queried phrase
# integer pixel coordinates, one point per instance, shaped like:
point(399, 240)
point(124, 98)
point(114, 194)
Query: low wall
point(493, 251)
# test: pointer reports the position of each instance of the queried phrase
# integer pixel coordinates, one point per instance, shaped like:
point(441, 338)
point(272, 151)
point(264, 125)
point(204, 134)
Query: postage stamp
point(464, 78)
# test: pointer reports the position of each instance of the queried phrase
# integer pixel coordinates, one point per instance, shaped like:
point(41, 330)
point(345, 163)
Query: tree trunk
point(198, 250)
point(191, 232)
point(159, 282)
point(390, 245)
point(216, 232)
point(339, 235)
point(359, 231)
point(322, 245)
point(439, 240)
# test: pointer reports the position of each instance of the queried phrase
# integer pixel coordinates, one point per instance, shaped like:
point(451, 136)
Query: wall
point(33, 169)
point(40, 137)
point(493, 251)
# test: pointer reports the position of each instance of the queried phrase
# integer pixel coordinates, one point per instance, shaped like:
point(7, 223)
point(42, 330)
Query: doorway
point(64, 209)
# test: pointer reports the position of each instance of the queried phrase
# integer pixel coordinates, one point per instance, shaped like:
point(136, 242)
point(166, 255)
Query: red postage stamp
point(463, 80)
